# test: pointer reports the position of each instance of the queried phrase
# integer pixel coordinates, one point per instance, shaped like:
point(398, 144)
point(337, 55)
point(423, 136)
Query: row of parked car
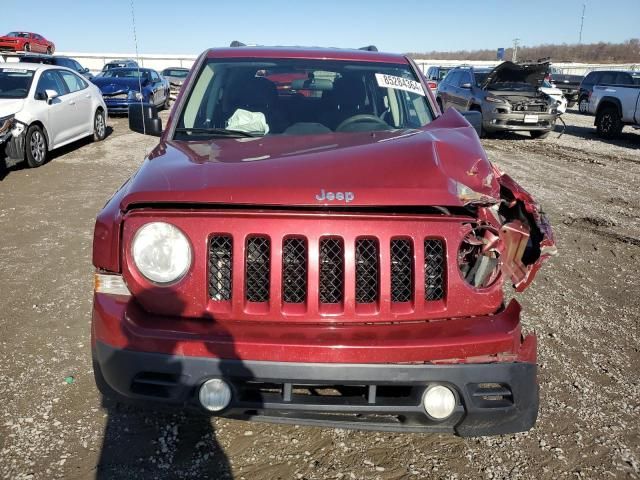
point(48, 101)
point(530, 96)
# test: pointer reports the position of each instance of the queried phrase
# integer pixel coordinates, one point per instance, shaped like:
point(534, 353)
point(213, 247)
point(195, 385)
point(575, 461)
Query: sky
point(191, 26)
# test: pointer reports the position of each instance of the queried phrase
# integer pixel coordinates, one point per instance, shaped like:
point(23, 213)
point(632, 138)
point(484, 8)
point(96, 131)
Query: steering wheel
point(361, 118)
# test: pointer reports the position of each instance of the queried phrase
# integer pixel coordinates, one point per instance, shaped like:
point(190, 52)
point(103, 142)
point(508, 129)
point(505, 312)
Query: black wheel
point(99, 126)
point(27, 47)
point(583, 104)
point(608, 122)
point(539, 134)
point(36, 146)
point(483, 132)
point(49, 51)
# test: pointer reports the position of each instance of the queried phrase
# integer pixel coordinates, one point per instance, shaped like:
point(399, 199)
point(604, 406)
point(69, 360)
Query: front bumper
point(118, 105)
point(379, 371)
point(493, 399)
point(494, 122)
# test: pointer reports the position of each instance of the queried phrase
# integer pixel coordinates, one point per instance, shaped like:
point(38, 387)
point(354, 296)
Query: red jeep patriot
point(330, 250)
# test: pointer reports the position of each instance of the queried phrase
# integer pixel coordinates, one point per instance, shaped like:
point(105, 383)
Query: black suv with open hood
point(509, 97)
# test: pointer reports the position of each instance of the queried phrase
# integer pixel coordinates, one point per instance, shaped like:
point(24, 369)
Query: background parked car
point(26, 42)
point(60, 61)
point(509, 97)
point(615, 106)
point(569, 84)
point(118, 64)
point(176, 77)
point(435, 74)
point(121, 87)
point(604, 77)
point(46, 107)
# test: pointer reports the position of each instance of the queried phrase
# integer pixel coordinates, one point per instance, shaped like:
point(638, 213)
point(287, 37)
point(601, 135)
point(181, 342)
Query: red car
point(333, 259)
point(26, 42)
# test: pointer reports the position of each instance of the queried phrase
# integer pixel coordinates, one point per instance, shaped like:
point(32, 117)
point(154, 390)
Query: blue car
point(122, 87)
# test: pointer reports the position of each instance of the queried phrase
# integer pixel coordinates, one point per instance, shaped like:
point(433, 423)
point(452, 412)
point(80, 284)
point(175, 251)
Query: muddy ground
point(584, 306)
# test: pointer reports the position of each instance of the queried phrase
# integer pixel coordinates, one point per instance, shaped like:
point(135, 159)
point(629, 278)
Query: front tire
point(608, 123)
point(583, 105)
point(36, 146)
point(27, 47)
point(99, 126)
point(49, 51)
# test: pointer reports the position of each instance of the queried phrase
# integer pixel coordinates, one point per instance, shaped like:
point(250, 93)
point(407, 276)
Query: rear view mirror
point(475, 119)
point(143, 118)
point(466, 86)
point(51, 95)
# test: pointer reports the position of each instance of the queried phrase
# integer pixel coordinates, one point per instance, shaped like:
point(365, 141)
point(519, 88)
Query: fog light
point(215, 395)
point(439, 401)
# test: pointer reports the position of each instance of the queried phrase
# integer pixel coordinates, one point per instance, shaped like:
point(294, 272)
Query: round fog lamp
point(215, 395)
point(439, 401)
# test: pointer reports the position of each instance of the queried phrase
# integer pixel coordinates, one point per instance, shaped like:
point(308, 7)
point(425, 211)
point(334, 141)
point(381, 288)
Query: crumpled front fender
point(526, 238)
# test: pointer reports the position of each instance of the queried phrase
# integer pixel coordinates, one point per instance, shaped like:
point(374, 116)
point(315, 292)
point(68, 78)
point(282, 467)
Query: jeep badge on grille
point(333, 196)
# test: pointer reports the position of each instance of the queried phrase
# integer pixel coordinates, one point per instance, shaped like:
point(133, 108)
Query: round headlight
point(161, 252)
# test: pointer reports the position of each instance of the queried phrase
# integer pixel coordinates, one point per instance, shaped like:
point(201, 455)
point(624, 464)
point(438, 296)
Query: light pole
point(514, 55)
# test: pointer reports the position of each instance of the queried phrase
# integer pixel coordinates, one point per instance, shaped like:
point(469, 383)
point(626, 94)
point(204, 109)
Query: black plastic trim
point(115, 370)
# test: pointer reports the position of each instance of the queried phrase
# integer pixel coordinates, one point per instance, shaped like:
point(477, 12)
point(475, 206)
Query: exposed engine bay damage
point(511, 236)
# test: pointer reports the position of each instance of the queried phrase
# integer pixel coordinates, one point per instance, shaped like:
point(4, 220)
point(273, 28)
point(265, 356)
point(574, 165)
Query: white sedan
point(43, 107)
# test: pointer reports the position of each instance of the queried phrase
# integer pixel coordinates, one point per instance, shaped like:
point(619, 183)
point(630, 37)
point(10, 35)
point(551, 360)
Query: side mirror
point(85, 70)
point(466, 86)
point(143, 118)
point(475, 119)
point(51, 95)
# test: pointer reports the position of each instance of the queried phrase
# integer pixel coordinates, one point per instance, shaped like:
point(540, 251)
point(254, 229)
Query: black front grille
point(367, 270)
point(294, 270)
point(220, 267)
point(257, 269)
point(331, 270)
point(295, 264)
point(433, 269)
point(401, 271)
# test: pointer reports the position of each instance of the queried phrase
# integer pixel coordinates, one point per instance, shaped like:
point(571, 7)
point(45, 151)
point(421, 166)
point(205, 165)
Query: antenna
point(135, 41)
point(514, 55)
point(584, 7)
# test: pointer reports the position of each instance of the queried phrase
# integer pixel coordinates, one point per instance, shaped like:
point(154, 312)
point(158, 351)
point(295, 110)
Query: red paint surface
point(17, 44)
point(120, 322)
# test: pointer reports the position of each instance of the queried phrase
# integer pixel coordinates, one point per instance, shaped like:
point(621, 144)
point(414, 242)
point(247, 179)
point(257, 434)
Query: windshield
point(442, 73)
point(15, 82)
point(18, 34)
point(110, 66)
point(126, 73)
point(298, 97)
point(175, 73)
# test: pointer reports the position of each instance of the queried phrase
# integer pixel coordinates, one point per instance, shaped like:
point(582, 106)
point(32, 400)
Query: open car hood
point(531, 73)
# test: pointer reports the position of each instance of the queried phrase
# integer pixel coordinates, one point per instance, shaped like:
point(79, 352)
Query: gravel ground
point(584, 306)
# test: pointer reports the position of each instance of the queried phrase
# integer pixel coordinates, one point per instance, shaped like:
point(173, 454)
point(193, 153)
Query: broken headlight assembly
point(478, 259)
point(6, 124)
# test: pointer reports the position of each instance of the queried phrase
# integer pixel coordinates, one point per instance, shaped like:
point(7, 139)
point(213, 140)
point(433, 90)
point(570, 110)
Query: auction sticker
point(399, 83)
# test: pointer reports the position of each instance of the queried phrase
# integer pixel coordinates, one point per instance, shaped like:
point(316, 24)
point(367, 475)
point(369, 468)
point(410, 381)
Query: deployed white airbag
point(246, 121)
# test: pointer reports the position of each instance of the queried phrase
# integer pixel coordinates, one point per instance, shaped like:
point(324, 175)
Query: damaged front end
point(511, 236)
point(12, 133)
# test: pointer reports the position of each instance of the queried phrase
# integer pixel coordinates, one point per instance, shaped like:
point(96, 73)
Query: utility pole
point(514, 54)
point(584, 7)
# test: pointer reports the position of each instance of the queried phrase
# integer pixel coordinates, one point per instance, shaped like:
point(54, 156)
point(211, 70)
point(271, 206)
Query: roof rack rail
point(369, 48)
point(236, 43)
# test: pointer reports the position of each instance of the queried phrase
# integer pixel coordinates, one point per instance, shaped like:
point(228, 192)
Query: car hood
point(531, 73)
point(10, 106)
point(443, 164)
point(112, 84)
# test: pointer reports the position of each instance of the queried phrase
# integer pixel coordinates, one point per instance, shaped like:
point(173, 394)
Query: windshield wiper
point(222, 132)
